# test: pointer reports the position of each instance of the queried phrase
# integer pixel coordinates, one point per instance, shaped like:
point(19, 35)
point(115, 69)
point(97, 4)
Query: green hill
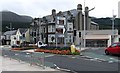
point(17, 21)
point(106, 23)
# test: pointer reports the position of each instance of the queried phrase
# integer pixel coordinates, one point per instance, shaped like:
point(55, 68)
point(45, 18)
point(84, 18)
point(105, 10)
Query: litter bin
point(72, 48)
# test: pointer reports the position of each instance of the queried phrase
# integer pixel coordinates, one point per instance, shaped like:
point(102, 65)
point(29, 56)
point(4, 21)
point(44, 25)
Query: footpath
point(11, 65)
point(14, 65)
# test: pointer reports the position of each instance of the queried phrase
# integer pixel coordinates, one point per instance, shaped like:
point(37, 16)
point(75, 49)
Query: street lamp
point(56, 31)
point(86, 10)
point(113, 26)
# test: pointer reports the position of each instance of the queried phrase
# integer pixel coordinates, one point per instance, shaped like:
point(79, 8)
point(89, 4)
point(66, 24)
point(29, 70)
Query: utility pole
point(84, 41)
point(56, 31)
point(46, 31)
point(65, 34)
point(10, 26)
point(113, 26)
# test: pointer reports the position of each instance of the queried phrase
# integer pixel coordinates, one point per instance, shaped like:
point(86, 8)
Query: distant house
point(17, 36)
point(7, 36)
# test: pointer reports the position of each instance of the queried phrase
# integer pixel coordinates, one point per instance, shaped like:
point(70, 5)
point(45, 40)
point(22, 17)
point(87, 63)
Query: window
point(70, 36)
point(53, 28)
point(44, 29)
point(23, 35)
point(114, 45)
point(61, 22)
point(70, 29)
point(69, 40)
point(59, 30)
point(49, 28)
point(119, 44)
point(70, 24)
point(18, 42)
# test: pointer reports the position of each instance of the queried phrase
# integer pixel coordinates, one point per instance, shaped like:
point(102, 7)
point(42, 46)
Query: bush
point(77, 52)
point(57, 50)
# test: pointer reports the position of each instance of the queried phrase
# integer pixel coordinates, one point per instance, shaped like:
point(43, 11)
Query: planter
point(16, 49)
point(63, 52)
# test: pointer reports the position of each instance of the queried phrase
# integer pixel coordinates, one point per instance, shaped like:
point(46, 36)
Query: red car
point(113, 49)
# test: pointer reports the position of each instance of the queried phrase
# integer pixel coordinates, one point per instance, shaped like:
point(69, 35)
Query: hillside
point(17, 21)
point(106, 23)
point(13, 17)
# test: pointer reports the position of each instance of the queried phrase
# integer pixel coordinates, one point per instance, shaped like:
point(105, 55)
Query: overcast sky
point(40, 8)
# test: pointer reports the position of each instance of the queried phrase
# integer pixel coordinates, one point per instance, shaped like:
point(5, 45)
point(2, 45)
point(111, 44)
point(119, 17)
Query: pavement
point(11, 65)
point(7, 64)
point(14, 65)
point(97, 61)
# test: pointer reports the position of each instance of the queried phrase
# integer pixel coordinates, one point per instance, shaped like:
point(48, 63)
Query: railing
point(31, 58)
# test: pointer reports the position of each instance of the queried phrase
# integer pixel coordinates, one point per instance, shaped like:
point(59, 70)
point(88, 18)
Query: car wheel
point(106, 52)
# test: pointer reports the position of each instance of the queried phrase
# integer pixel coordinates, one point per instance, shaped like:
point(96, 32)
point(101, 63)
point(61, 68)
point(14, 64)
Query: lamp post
point(65, 33)
point(86, 10)
point(84, 26)
point(113, 26)
point(56, 31)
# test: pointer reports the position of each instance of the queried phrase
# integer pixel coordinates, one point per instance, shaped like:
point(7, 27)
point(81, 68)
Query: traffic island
point(58, 50)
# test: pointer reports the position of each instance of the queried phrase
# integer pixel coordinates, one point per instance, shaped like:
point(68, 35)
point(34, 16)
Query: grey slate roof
point(10, 32)
point(73, 12)
point(22, 30)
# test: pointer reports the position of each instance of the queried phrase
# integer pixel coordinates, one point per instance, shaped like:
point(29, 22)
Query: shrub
point(77, 52)
point(59, 50)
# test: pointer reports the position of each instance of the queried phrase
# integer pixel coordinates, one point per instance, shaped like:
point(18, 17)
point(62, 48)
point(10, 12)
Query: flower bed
point(16, 49)
point(57, 50)
point(23, 48)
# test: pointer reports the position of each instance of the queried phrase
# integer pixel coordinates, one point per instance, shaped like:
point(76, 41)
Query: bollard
point(43, 60)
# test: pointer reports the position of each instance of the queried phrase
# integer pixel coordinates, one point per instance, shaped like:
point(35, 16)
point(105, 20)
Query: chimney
point(79, 25)
point(79, 7)
point(87, 18)
point(86, 11)
point(53, 12)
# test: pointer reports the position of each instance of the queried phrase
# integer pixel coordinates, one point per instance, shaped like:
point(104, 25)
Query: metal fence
point(31, 58)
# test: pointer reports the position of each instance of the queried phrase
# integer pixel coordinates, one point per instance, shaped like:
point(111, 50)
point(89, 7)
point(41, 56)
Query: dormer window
point(23, 35)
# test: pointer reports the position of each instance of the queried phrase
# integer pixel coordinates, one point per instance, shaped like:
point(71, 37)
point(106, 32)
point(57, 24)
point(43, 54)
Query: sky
point(40, 8)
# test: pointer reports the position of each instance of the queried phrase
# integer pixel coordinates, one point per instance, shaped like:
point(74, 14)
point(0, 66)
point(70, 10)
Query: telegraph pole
point(65, 34)
point(84, 41)
point(113, 26)
point(55, 30)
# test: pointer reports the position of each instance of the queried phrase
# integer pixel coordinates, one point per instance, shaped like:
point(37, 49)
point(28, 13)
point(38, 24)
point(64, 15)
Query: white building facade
point(98, 38)
point(119, 9)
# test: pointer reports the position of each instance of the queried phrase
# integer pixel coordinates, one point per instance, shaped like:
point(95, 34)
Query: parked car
point(40, 44)
point(113, 49)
